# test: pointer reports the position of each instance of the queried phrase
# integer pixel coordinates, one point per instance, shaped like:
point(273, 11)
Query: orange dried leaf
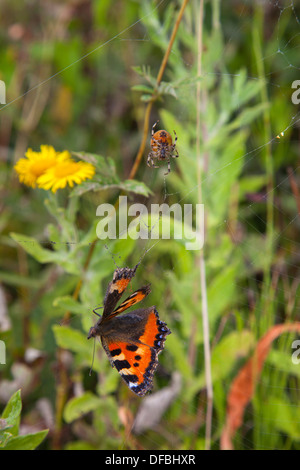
point(243, 386)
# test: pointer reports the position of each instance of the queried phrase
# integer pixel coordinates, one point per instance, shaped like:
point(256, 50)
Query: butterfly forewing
point(116, 288)
point(133, 299)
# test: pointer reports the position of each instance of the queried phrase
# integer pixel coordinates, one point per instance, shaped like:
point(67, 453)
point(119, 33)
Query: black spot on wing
point(115, 352)
point(131, 347)
point(119, 365)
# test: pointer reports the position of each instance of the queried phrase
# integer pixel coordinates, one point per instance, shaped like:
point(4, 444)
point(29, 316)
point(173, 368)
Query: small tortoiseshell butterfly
point(132, 341)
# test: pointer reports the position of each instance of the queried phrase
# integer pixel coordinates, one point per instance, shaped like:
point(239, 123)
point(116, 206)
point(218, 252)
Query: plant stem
point(154, 96)
point(257, 42)
point(201, 259)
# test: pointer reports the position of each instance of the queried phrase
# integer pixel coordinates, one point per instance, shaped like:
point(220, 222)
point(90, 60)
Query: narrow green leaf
point(143, 88)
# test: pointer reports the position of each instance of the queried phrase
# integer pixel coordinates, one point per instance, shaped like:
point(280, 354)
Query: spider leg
point(175, 140)
point(153, 127)
point(153, 164)
point(169, 168)
point(150, 160)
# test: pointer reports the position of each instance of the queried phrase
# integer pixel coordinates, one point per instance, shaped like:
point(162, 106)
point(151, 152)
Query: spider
point(162, 147)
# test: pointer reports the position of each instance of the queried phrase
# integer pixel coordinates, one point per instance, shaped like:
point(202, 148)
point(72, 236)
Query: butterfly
point(131, 341)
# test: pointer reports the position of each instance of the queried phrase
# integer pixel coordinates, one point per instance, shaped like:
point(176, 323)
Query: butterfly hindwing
point(136, 356)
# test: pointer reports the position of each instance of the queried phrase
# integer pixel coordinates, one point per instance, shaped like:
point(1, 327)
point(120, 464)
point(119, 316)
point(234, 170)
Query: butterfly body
point(131, 341)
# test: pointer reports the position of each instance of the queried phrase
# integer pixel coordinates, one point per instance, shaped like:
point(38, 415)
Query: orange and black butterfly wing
point(116, 288)
point(133, 346)
point(133, 299)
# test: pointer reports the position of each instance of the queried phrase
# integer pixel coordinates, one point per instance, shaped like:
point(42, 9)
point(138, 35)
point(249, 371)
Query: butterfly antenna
point(144, 254)
point(97, 308)
point(136, 266)
point(113, 256)
point(66, 321)
point(91, 369)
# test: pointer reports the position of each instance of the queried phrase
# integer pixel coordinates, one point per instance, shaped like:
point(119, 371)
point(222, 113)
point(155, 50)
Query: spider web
point(284, 52)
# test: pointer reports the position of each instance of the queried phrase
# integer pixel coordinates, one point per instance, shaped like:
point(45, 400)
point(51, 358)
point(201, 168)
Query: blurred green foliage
point(9, 428)
point(78, 75)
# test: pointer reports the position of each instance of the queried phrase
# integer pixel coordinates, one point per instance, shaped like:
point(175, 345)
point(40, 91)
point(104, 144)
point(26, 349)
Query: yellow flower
point(49, 169)
point(35, 164)
point(65, 172)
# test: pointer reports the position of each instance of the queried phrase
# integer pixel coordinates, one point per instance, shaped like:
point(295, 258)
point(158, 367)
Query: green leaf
point(105, 165)
point(4, 437)
point(77, 342)
point(145, 72)
point(4, 425)
point(138, 69)
point(79, 406)
point(98, 184)
point(42, 255)
point(183, 295)
point(88, 157)
point(146, 98)
point(252, 183)
point(225, 354)
point(221, 291)
point(15, 279)
point(143, 88)
point(68, 338)
point(67, 302)
point(80, 445)
point(33, 248)
point(248, 115)
point(176, 348)
point(283, 358)
point(137, 187)
point(245, 91)
point(166, 88)
point(281, 415)
point(27, 442)
point(68, 233)
point(12, 412)
point(165, 226)
point(10, 420)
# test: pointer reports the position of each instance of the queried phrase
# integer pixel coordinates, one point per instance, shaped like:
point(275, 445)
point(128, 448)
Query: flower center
point(38, 167)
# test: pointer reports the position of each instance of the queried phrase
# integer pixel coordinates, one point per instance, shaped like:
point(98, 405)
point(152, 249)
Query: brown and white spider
point(162, 147)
